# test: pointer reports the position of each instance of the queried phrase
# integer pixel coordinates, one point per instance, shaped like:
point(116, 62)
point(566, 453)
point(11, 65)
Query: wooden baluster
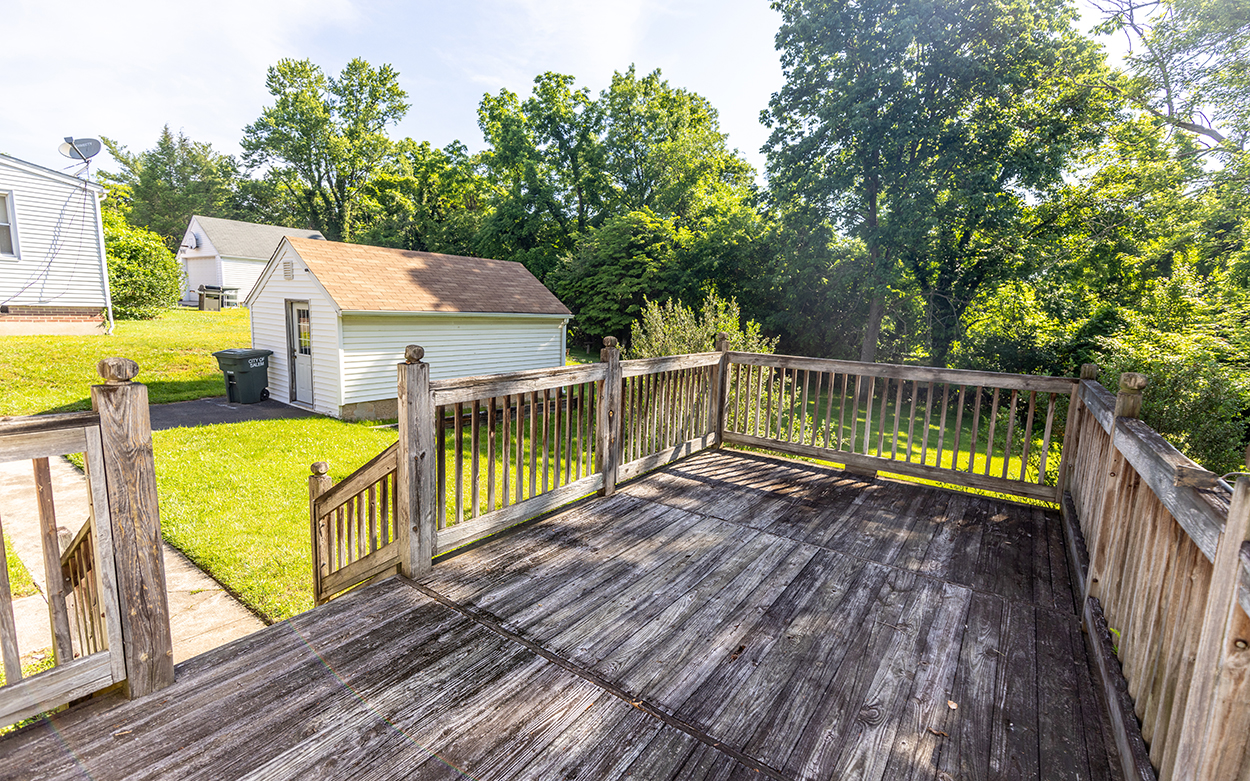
point(440, 478)
point(803, 406)
point(490, 454)
point(610, 415)
point(842, 415)
point(928, 410)
point(859, 383)
point(989, 439)
point(1028, 436)
point(475, 468)
point(1011, 426)
point(62, 646)
point(1050, 420)
point(898, 412)
point(577, 421)
point(458, 463)
point(592, 423)
point(911, 419)
point(520, 447)
point(738, 416)
point(533, 444)
point(546, 427)
point(959, 425)
point(8, 626)
point(976, 430)
point(130, 479)
point(506, 450)
point(833, 379)
point(820, 378)
point(882, 420)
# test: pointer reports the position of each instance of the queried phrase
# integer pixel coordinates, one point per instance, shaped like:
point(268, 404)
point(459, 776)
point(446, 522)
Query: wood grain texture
point(130, 476)
point(728, 616)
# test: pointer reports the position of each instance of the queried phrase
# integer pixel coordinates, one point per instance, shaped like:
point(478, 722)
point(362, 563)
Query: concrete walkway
point(202, 615)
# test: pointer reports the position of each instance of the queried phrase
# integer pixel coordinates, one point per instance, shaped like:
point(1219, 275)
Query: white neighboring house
point(229, 253)
point(53, 270)
point(338, 316)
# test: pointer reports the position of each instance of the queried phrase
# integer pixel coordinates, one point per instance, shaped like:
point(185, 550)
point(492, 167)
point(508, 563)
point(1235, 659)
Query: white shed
point(229, 253)
point(53, 270)
point(338, 316)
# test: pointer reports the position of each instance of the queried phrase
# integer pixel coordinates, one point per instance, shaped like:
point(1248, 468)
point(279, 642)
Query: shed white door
point(301, 351)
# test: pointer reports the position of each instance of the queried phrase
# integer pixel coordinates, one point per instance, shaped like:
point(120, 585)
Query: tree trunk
point(872, 329)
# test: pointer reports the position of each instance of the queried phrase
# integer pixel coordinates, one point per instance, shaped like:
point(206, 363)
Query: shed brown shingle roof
point(377, 279)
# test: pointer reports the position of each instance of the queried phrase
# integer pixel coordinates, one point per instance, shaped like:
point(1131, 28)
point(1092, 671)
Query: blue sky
point(125, 68)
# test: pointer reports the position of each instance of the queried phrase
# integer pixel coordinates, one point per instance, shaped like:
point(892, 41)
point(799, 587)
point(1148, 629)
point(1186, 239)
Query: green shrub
point(144, 276)
point(672, 329)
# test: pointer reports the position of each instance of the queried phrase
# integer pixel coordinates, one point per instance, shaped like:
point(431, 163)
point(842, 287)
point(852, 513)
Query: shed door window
point(303, 330)
point(6, 224)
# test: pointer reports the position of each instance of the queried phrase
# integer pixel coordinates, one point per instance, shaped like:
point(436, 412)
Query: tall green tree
point(172, 181)
point(930, 130)
point(428, 199)
point(325, 137)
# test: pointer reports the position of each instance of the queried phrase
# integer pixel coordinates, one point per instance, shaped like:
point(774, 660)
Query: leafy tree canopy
point(325, 138)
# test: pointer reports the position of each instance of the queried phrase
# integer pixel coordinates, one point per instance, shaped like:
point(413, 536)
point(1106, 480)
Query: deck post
point(415, 483)
point(1072, 434)
point(318, 483)
point(722, 387)
point(608, 439)
point(1128, 400)
point(130, 475)
point(1215, 724)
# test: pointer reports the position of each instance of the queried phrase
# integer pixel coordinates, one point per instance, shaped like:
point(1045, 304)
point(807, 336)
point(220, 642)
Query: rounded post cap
point(1089, 371)
point(319, 468)
point(722, 338)
point(1132, 382)
point(117, 370)
point(413, 353)
point(609, 341)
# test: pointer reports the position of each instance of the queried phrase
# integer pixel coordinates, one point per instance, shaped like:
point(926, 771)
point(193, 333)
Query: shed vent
point(288, 269)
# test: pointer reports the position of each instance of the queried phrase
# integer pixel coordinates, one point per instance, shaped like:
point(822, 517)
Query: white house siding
point(269, 333)
point(456, 345)
point(56, 227)
point(241, 273)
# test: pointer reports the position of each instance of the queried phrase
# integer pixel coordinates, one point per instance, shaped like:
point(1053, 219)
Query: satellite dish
point(80, 148)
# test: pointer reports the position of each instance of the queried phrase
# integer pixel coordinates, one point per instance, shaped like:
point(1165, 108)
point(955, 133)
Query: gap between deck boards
point(590, 676)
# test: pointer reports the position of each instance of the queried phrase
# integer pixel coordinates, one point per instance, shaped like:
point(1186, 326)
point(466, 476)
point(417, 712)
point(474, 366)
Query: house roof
point(237, 239)
point(50, 173)
point(361, 278)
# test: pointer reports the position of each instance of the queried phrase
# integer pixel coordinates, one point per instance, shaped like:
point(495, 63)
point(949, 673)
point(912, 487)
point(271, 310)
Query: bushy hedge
point(144, 276)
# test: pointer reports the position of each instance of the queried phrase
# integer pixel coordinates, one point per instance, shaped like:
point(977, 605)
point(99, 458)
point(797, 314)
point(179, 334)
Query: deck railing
point(1159, 543)
point(107, 605)
point(1166, 564)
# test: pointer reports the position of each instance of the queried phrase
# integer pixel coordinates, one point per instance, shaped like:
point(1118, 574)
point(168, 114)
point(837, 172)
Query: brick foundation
point(51, 314)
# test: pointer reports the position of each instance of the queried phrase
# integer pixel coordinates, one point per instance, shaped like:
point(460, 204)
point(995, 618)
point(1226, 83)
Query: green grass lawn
point(21, 584)
point(234, 499)
point(174, 353)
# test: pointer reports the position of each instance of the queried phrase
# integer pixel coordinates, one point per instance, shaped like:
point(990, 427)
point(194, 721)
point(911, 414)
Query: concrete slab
point(202, 614)
point(205, 412)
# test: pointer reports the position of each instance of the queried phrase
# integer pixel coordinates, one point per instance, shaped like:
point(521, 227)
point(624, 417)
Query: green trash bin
point(247, 374)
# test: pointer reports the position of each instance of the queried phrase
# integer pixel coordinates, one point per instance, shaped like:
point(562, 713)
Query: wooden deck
point(731, 616)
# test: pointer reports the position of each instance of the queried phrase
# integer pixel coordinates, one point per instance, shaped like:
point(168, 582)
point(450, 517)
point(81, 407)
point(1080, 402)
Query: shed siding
point(58, 242)
point(269, 333)
point(241, 273)
point(460, 345)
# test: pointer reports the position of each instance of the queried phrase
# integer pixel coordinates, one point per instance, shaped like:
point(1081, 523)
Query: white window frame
point(11, 220)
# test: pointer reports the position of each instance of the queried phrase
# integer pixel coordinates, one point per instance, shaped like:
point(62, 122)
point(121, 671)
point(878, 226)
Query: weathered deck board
point(731, 616)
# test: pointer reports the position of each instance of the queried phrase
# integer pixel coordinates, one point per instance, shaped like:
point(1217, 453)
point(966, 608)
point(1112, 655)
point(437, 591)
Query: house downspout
point(104, 267)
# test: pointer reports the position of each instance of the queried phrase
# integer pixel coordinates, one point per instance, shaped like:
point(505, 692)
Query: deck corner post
point(130, 477)
point(415, 475)
point(721, 387)
point(318, 483)
point(1213, 730)
point(609, 440)
point(1128, 400)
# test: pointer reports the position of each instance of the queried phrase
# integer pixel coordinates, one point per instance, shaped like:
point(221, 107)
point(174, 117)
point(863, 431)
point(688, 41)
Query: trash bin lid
point(242, 353)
